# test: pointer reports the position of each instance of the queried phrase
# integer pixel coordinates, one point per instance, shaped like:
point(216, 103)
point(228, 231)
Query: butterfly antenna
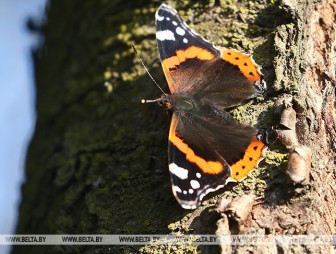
point(136, 52)
point(150, 101)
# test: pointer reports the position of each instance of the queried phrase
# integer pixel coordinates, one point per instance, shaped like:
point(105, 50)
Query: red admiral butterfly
point(207, 147)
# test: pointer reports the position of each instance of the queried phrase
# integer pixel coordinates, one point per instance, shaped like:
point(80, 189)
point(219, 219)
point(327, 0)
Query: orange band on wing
point(253, 154)
point(244, 62)
point(169, 64)
point(209, 167)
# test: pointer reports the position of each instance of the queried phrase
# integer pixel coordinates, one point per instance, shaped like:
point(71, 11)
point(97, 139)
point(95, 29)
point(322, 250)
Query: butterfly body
point(207, 147)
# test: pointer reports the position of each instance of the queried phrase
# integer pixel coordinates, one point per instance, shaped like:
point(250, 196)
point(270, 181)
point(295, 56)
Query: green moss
point(276, 159)
point(169, 248)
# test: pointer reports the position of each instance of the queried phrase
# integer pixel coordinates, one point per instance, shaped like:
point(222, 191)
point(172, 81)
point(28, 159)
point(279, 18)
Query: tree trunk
point(97, 163)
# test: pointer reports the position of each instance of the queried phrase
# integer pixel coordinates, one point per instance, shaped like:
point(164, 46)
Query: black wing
point(222, 77)
point(207, 151)
point(177, 43)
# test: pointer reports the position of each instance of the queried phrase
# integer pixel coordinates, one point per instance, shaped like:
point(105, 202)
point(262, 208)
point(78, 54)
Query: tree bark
point(97, 163)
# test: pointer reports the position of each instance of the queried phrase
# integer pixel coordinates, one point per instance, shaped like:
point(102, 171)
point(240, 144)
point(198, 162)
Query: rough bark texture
point(97, 163)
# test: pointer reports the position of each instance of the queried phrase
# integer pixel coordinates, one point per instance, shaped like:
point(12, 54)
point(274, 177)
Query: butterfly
point(207, 147)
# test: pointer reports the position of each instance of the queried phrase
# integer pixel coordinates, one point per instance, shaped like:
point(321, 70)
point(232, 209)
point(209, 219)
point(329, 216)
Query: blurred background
point(17, 109)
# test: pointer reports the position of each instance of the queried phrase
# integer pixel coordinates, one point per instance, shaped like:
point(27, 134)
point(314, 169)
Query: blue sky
point(17, 102)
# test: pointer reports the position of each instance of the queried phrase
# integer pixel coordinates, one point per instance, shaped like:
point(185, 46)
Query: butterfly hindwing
point(222, 85)
point(205, 150)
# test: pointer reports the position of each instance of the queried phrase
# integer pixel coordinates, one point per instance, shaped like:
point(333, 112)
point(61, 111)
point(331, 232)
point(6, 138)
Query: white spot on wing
point(195, 184)
point(185, 192)
point(168, 18)
point(165, 35)
point(198, 175)
point(214, 189)
point(183, 25)
point(158, 17)
point(191, 191)
point(181, 173)
point(188, 205)
point(185, 40)
point(176, 189)
point(180, 31)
